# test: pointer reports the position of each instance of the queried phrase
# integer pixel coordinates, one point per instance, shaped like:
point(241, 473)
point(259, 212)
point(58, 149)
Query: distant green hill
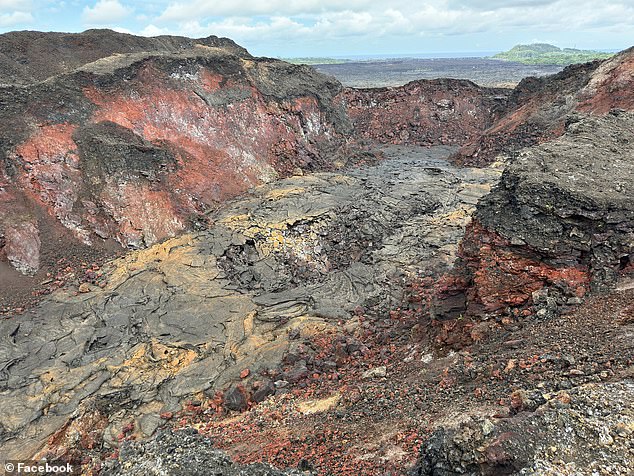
point(543, 53)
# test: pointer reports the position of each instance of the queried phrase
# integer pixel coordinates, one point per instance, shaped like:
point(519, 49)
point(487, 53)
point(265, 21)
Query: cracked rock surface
point(571, 199)
point(135, 140)
point(187, 315)
point(558, 225)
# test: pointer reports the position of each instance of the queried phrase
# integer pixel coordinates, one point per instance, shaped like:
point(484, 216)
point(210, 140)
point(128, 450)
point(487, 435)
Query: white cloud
point(15, 18)
point(105, 12)
point(361, 23)
point(15, 12)
point(490, 5)
point(152, 30)
point(120, 29)
point(359, 17)
point(204, 8)
point(15, 5)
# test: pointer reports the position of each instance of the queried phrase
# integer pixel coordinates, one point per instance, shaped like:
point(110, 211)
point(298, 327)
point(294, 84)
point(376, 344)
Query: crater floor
point(186, 316)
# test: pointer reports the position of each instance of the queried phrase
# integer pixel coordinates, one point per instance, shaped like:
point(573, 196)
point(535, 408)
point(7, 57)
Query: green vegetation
point(543, 53)
point(311, 60)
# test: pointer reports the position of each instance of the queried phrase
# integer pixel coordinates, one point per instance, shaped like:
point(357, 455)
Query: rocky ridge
point(538, 107)
point(425, 112)
point(33, 56)
point(167, 129)
point(555, 229)
point(557, 226)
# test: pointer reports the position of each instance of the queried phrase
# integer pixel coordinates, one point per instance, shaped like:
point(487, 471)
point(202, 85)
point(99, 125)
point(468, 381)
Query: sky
point(291, 28)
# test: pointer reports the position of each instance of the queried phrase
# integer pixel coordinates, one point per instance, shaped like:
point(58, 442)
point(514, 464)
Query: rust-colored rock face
point(121, 148)
point(22, 246)
point(558, 224)
point(437, 112)
point(125, 148)
point(611, 86)
point(538, 107)
point(134, 148)
point(505, 277)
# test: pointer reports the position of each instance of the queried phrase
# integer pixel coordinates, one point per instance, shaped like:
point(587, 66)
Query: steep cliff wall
point(559, 224)
point(133, 148)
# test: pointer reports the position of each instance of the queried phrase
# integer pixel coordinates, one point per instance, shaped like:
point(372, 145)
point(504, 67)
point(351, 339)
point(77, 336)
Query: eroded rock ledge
point(425, 112)
point(134, 148)
point(559, 223)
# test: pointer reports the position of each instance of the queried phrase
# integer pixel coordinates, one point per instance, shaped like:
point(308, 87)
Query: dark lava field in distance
point(399, 71)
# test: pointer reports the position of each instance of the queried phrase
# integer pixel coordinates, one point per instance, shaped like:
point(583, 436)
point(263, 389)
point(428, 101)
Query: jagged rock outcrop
point(136, 146)
point(538, 107)
point(425, 112)
point(558, 225)
point(110, 141)
point(33, 56)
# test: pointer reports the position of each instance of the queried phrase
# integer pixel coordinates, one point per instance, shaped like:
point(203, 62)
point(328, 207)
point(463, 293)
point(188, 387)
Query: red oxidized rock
point(424, 112)
point(536, 113)
point(135, 149)
point(22, 246)
point(501, 277)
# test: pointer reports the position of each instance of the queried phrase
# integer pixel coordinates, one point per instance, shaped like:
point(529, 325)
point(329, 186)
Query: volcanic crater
point(211, 261)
